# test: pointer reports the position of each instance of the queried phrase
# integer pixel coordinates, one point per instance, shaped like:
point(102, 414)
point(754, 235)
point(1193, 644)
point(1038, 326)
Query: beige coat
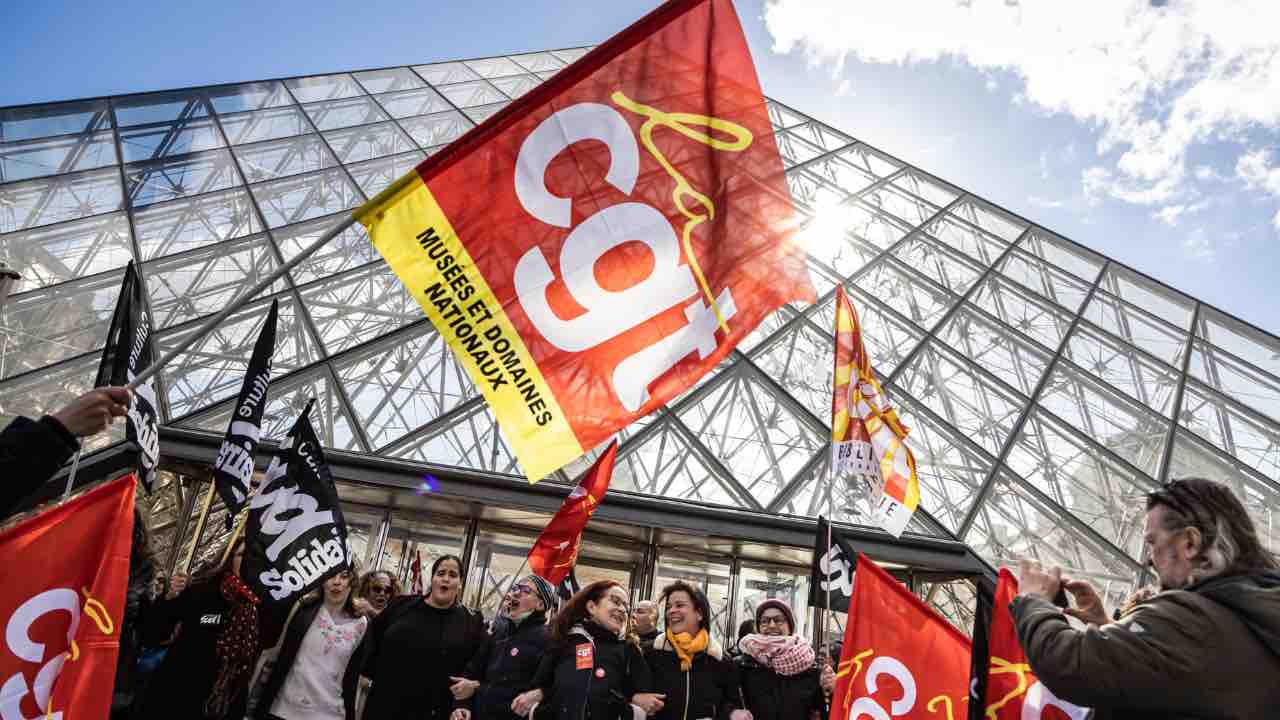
point(1210, 651)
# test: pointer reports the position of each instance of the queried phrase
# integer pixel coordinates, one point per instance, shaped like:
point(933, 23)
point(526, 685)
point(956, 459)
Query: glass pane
point(470, 441)
point(303, 197)
point(1130, 430)
point(1075, 474)
point(499, 555)
point(58, 322)
point(1076, 260)
point(1045, 279)
point(1017, 362)
point(665, 465)
point(323, 87)
point(538, 62)
point(400, 385)
point(149, 142)
point(471, 94)
point(981, 409)
point(920, 186)
point(419, 535)
point(517, 85)
point(1132, 325)
point(349, 249)
point(413, 102)
point(27, 159)
point(481, 113)
point(711, 576)
point(367, 142)
point(438, 129)
point(1240, 340)
point(185, 224)
point(359, 306)
point(758, 583)
point(374, 175)
point(203, 282)
point(571, 55)
point(841, 173)
point(265, 125)
point(212, 370)
point(443, 73)
point(190, 175)
point(48, 256)
point(1034, 318)
point(1236, 379)
point(994, 221)
point(39, 121)
point(63, 197)
point(1250, 438)
point(494, 67)
point(252, 96)
point(971, 241)
point(166, 107)
point(929, 259)
point(1161, 301)
point(282, 158)
point(1107, 359)
point(922, 304)
point(379, 81)
point(345, 113)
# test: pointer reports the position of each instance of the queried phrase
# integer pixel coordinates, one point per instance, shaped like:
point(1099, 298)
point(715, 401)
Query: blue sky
point(1150, 133)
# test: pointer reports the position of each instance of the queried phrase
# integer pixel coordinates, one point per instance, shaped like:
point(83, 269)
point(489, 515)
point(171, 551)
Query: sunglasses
point(521, 589)
point(379, 590)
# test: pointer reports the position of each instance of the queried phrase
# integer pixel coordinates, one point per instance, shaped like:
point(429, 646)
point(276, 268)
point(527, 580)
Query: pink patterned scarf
point(784, 654)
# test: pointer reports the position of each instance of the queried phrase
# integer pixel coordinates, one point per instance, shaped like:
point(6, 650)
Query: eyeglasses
point(521, 589)
point(379, 590)
point(772, 620)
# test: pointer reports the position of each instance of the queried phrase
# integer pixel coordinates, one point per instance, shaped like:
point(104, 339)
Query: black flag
point(981, 649)
point(568, 587)
point(832, 570)
point(233, 470)
point(128, 352)
point(295, 537)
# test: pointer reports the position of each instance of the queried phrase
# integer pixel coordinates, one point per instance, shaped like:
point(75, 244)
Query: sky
point(1148, 130)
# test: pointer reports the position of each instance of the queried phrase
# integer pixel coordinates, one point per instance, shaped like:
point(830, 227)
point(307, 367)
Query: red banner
point(61, 604)
point(1013, 693)
point(599, 245)
point(556, 550)
point(900, 658)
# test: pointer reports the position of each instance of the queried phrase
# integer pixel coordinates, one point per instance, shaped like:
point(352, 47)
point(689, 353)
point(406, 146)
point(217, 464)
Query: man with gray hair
point(1207, 645)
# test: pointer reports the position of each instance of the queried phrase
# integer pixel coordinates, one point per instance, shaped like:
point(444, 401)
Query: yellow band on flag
point(417, 240)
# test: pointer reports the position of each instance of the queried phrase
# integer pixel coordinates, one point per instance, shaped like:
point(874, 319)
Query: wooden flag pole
point(241, 300)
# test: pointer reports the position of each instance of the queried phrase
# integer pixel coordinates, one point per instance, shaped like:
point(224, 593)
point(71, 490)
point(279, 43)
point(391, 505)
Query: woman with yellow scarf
point(690, 667)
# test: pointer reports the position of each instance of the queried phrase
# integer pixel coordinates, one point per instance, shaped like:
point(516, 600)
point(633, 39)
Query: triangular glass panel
point(358, 306)
point(469, 440)
point(202, 282)
point(68, 251)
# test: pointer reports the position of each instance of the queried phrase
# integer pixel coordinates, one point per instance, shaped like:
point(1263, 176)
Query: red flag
point(900, 659)
point(601, 243)
point(61, 605)
point(553, 556)
point(415, 574)
point(1012, 691)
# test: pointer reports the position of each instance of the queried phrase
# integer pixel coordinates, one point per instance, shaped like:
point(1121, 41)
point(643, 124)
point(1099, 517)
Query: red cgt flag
point(1012, 690)
point(61, 613)
point(600, 244)
point(900, 658)
point(556, 550)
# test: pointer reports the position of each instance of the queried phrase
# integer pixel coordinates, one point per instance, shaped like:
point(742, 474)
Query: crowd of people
point(1205, 642)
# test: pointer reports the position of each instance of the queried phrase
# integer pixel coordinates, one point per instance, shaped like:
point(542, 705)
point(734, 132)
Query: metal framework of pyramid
point(1047, 387)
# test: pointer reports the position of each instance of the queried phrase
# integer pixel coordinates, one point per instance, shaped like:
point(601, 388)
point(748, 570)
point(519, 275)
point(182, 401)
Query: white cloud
point(1154, 81)
point(1040, 202)
point(1276, 220)
point(1197, 246)
point(1171, 214)
point(1255, 169)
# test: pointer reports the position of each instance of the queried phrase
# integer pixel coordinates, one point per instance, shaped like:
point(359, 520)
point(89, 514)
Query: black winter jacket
point(293, 637)
point(31, 452)
point(771, 696)
point(505, 667)
point(591, 677)
point(708, 690)
point(137, 602)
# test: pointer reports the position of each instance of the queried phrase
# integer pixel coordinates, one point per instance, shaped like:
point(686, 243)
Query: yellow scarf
point(686, 646)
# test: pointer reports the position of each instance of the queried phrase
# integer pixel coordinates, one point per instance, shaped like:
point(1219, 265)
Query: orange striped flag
point(867, 438)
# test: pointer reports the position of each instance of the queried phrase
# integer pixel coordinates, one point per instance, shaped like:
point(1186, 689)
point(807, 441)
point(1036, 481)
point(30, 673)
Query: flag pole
point(243, 299)
point(71, 475)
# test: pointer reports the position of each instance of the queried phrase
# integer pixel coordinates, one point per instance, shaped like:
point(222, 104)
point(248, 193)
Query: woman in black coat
point(779, 677)
point(593, 669)
point(689, 667)
point(417, 645)
point(205, 673)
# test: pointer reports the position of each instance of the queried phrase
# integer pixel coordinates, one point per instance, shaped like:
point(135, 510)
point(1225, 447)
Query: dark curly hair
point(1229, 541)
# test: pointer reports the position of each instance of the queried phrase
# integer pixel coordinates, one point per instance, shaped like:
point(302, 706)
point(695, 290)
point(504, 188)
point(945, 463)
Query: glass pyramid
point(1047, 387)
